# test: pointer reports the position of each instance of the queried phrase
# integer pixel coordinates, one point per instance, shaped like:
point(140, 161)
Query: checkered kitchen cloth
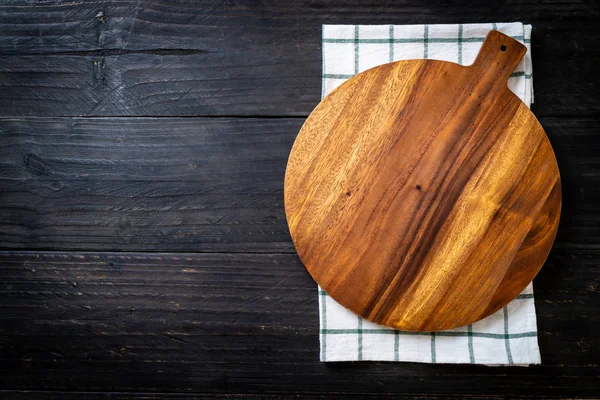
point(506, 337)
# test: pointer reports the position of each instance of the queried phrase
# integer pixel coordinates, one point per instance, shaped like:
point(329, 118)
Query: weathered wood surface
point(145, 184)
point(180, 184)
point(157, 185)
point(62, 395)
point(216, 323)
point(190, 58)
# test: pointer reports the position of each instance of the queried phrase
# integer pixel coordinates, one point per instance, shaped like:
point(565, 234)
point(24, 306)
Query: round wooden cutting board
point(424, 195)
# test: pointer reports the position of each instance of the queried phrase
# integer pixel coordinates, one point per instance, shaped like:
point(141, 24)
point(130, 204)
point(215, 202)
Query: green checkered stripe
point(504, 338)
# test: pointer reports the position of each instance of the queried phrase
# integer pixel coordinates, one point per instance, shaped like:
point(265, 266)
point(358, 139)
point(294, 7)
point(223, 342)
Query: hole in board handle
point(503, 48)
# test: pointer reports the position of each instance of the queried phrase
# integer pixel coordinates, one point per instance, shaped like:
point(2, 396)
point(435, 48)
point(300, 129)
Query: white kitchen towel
point(508, 337)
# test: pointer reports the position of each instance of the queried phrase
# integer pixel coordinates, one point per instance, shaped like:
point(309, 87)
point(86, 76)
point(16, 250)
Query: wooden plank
point(61, 395)
point(246, 323)
point(226, 155)
point(205, 58)
point(223, 83)
point(213, 184)
point(53, 26)
point(151, 184)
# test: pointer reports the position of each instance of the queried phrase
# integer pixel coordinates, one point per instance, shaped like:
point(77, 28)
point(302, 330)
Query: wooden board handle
point(499, 56)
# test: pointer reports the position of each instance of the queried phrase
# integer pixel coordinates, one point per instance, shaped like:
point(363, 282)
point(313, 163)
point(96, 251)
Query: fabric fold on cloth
point(508, 337)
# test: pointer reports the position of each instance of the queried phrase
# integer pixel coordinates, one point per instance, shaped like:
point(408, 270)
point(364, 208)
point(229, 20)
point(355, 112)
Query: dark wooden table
point(143, 243)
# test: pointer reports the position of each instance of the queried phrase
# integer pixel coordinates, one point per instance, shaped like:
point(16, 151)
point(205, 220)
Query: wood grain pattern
point(146, 183)
point(424, 195)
